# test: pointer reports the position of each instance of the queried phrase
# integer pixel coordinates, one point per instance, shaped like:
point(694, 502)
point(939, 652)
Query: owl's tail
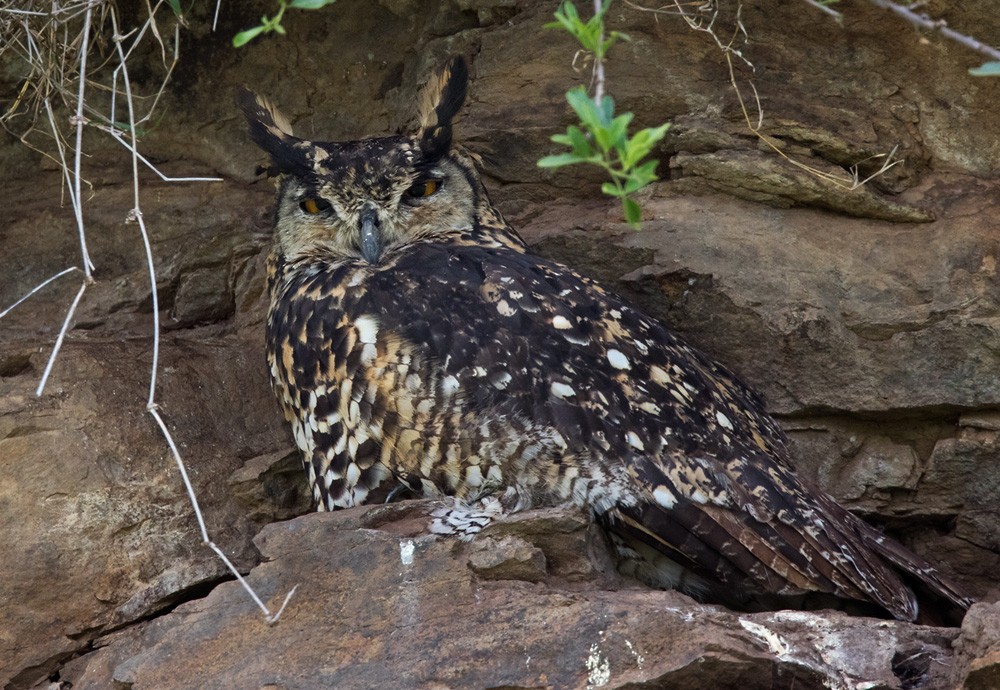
point(915, 571)
point(834, 553)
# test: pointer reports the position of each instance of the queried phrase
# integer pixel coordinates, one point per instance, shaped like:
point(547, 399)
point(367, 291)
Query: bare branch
point(923, 21)
point(598, 62)
point(79, 121)
point(825, 8)
point(151, 405)
point(35, 289)
point(59, 340)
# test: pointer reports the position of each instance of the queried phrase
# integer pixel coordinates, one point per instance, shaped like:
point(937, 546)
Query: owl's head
point(360, 199)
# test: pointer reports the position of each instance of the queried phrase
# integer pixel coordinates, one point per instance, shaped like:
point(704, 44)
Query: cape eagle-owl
point(414, 340)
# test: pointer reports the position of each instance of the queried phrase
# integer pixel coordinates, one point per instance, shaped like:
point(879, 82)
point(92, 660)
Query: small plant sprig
point(602, 138)
point(987, 69)
point(268, 25)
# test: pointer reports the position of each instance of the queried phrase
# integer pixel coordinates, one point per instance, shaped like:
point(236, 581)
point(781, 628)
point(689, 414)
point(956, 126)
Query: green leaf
point(568, 10)
point(590, 36)
point(987, 69)
point(611, 189)
point(641, 176)
point(566, 19)
point(559, 160)
point(646, 171)
point(641, 144)
point(575, 139)
point(657, 133)
point(579, 142)
point(244, 37)
point(279, 28)
point(175, 5)
point(618, 131)
point(584, 107)
point(633, 212)
point(602, 135)
point(310, 4)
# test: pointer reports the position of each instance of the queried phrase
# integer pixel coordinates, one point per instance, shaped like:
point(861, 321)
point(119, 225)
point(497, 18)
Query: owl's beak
point(371, 241)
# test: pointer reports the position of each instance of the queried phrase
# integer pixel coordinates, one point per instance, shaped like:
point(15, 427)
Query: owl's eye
point(423, 188)
point(314, 206)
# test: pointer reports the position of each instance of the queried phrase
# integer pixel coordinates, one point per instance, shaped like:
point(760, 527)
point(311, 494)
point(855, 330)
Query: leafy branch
point(601, 138)
point(267, 25)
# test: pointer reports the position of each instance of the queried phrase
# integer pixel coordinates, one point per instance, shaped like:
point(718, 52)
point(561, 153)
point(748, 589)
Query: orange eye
point(314, 206)
point(423, 188)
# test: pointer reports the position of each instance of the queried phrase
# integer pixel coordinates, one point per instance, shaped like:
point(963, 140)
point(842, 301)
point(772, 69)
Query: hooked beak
point(371, 242)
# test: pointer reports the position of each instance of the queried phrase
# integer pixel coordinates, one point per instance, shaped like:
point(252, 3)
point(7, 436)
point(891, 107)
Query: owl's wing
point(688, 460)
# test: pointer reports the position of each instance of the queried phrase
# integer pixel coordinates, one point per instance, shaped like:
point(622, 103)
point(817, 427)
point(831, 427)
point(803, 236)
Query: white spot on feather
point(368, 354)
point(503, 306)
point(367, 327)
point(635, 441)
point(501, 380)
point(449, 384)
point(473, 476)
point(723, 421)
point(561, 390)
point(561, 323)
point(664, 497)
point(618, 360)
point(353, 474)
point(658, 375)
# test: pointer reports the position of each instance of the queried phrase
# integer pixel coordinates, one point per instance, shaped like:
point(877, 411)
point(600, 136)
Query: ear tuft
point(271, 131)
point(440, 101)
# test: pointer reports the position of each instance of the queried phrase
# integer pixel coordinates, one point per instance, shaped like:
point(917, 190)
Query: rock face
point(868, 318)
point(379, 606)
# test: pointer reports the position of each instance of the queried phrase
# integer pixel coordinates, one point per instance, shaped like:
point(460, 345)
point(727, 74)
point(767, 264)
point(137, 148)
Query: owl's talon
point(465, 521)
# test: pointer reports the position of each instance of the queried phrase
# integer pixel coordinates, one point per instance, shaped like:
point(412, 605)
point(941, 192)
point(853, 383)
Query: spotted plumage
point(414, 341)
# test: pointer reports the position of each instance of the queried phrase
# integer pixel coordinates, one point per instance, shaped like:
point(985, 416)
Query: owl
point(415, 343)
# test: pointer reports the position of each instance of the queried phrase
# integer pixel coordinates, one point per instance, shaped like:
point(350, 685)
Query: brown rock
point(373, 609)
point(507, 558)
point(977, 658)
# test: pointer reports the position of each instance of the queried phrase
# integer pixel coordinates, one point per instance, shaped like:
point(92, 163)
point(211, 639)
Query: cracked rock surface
point(380, 606)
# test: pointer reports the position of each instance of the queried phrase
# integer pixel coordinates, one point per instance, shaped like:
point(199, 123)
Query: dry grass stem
point(702, 16)
point(35, 289)
point(56, 46)
point(151, 405)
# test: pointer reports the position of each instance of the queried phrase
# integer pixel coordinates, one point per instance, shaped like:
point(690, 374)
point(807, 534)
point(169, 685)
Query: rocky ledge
point(531, 603)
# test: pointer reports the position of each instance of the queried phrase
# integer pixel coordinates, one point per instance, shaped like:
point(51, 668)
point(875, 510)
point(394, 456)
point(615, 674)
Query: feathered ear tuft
point(271, 131)
point(440, 101)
